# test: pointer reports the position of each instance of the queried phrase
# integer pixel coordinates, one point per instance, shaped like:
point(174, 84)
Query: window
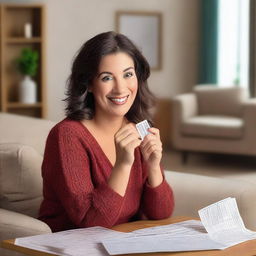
point(233, 43)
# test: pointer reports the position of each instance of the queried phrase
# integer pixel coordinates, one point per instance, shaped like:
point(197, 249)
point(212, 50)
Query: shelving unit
point(13, 18)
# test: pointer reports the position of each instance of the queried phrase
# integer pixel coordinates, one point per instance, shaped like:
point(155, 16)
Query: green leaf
point(28, 62)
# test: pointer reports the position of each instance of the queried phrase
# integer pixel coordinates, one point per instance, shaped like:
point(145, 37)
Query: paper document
point(224, 223)
point(75, 242)
point(221, 226)
point(183, 236)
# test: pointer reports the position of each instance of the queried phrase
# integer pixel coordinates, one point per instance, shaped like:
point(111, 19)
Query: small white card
point(142, 128)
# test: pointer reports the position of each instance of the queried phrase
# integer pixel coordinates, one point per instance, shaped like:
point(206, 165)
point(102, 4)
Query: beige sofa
point(22, 141)
point(214, 119)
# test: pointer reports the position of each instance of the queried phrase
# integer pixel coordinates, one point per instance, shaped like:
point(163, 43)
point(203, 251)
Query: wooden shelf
point(13, 19)
point(23, 105)
point(22, 40)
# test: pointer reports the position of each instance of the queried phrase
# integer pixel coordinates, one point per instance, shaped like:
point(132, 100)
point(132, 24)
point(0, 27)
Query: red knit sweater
point(75, 173)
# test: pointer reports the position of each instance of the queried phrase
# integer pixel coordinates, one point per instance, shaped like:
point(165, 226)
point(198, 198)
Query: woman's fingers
point(151, 146)
point(130, 140)
point(154, 131)
point(153, 149)
point(126, 140)
point(126, 131)
point(151, 139)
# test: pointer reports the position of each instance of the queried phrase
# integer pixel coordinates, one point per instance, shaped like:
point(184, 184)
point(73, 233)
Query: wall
point(71, 23)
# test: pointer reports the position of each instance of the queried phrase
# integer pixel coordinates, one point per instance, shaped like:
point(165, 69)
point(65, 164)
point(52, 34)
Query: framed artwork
point(145, 30)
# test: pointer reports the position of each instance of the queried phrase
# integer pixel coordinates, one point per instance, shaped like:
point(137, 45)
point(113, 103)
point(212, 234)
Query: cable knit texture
point(76, 194)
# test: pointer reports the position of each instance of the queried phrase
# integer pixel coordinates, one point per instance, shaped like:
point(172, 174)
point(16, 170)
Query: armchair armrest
point(14, 224)
point(185, 105)
point(249, 115)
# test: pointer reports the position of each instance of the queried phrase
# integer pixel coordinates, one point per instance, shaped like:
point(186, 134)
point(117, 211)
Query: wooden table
point(244, 249)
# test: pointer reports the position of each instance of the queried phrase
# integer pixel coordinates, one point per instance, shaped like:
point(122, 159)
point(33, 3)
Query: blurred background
point(196, 42)
point(203, 71)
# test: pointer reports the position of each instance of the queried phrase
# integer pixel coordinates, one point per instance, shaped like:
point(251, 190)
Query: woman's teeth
point(119, 100)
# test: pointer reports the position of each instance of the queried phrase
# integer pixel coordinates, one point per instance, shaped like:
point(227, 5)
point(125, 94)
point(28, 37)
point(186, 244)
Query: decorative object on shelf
point(27, 65)
point(28, 30)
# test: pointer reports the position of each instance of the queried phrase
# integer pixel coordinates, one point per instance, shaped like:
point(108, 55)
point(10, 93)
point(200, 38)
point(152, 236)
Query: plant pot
point(27, 90)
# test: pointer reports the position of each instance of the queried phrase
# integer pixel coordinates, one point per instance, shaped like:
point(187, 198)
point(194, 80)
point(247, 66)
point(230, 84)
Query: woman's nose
point(119, 85)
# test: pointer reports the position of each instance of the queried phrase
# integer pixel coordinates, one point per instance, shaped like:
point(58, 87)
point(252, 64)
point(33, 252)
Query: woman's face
point(115, 86)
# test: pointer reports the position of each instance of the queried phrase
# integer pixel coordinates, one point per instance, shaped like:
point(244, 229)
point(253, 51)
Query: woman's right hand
point(126, 140)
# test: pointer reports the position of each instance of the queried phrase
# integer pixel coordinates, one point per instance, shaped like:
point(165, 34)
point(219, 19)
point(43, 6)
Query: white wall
point(71, 22)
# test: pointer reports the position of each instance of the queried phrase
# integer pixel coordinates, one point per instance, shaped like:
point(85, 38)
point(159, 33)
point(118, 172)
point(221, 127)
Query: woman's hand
point(126, 140)
point(151, 148)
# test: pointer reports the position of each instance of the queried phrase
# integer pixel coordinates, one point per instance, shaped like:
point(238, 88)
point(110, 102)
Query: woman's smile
point(119, 100)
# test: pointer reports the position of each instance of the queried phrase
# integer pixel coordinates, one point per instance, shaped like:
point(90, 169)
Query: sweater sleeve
point(66, 168)
point(157, 202)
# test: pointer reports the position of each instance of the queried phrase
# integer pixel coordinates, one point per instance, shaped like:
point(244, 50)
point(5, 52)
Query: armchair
point(214, 119)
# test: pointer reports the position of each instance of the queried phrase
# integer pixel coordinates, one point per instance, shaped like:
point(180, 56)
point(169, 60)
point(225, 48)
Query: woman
point(96, 169)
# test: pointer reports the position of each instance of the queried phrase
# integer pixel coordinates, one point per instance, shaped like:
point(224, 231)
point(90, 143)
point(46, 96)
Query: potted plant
point(28, 65)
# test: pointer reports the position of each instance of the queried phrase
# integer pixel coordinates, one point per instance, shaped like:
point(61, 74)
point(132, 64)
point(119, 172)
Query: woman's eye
point(106, 78)
point(128, 74)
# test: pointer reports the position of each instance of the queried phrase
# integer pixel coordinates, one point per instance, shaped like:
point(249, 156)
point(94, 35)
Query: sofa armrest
point(249, 115)
point(193, 192)
point(14, 224)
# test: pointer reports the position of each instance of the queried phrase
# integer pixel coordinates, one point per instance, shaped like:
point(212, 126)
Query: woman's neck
point(109, 125)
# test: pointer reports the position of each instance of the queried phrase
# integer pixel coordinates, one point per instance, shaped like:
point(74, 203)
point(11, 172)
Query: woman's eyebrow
point(128, 69)
point(109, 73)
point(104, 72)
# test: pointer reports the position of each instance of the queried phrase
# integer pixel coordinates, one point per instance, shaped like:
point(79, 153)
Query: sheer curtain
point(233, 43)
point(225, 43)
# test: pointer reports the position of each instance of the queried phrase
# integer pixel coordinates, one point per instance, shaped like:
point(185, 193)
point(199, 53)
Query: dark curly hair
point(80, 102)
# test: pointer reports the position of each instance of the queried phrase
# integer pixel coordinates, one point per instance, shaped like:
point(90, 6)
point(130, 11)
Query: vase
point(27, 90)
point(28, 30)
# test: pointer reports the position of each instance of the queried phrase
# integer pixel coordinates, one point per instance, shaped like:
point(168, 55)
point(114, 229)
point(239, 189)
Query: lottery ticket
point(142, 128)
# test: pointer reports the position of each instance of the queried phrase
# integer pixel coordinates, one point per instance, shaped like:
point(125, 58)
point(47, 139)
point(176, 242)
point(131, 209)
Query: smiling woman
point(96, 169)
point(86, 68)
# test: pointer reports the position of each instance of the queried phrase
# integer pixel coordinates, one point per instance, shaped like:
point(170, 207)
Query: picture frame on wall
point(145, 30)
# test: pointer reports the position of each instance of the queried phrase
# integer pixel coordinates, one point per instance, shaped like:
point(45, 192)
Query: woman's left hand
point(151, 148)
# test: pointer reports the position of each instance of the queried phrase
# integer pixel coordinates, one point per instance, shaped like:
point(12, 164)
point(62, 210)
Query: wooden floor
point(237, 167)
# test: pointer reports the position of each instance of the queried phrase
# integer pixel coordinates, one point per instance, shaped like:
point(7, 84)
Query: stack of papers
point(75, 242)
point(183, 236)
point(221, 226)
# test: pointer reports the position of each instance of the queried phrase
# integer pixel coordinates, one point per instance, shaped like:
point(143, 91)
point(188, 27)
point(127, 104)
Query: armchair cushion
point(225, 101)
point(14, 224)
point(20, 178)
point(213, 126)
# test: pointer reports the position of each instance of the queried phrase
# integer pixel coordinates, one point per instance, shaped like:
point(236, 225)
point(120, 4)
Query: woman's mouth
point(118, 100)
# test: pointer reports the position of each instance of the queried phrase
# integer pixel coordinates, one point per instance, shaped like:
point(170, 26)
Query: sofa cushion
point(25, 130)
point(213, 126)
point(20, 178)
point(214, 100)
